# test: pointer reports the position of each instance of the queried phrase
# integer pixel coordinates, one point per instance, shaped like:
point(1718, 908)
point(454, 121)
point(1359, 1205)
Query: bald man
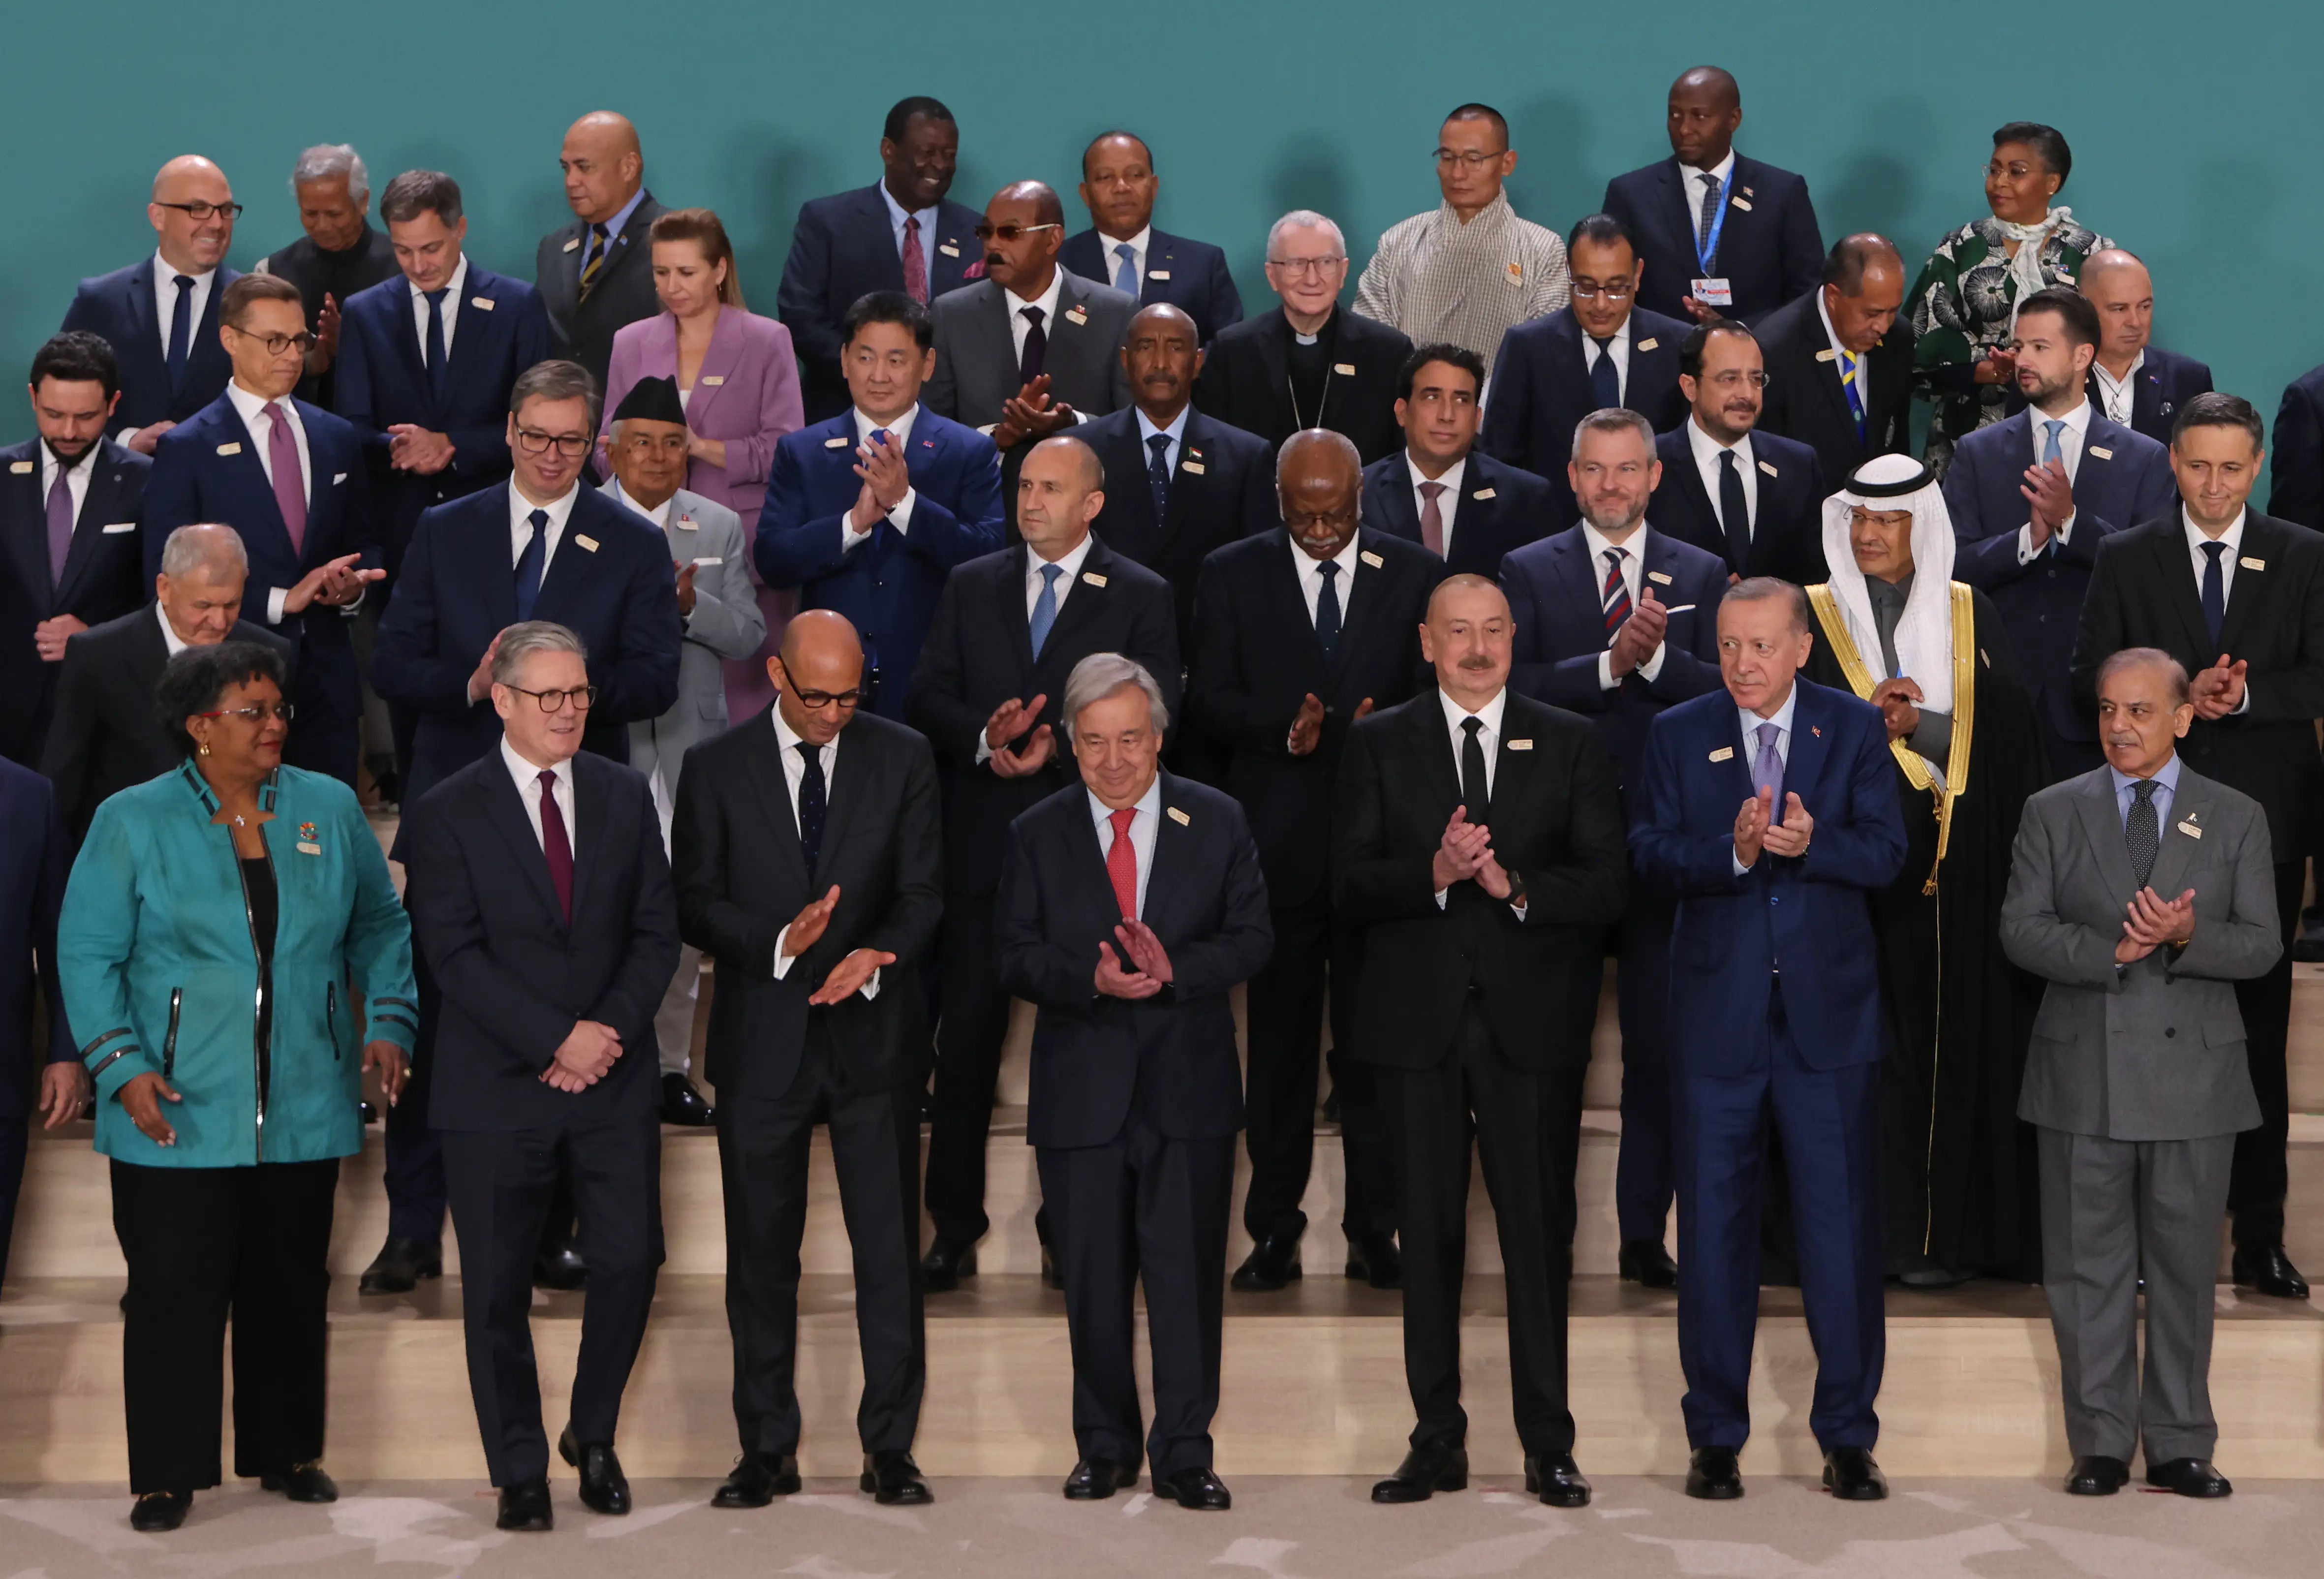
point(2133, 381)
point(595, 273)
point(816, 904)
point(1839, 359)
point(161, 314)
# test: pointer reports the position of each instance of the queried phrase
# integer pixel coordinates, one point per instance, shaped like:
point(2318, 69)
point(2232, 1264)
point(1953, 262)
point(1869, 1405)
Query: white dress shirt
point(1137, 244)
point(527, 790)
point(1749, 722)
point(1618, 346)
point(76, 476)
point(1692, 177)
point(260, 426)
point(2070, 437)
point(1448, 503)
point(1863, 358)
point(520, 510)
point(795, 775)
point(1019, 324)
point(900, 517)
point(1311, 578)
point(448, 309)
point(1175, 432)
point(2120, 393)
point(165, 301)
point(1145, 826)
point(1634, 571)
point(1707, 451)
point(2234, 538)
point(173, 642)
point(1489, 737)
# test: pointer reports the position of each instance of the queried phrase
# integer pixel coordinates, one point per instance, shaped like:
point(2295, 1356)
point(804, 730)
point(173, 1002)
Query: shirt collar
point(521, 509)
point(1149, 805)
point(1451, 479)
point(1824, 312)
point(1707, 450)
point(1176, 430)
point(1598, 542)
point(1136, 244)
point(2110, 380)
point(620, 219)
point(452, 287)
point(790, 739)
point(171, 639)
point(1782, 720)
point(899, 431)
point(1046, 302)
point(1309, 567)
point(2167, 775)
point(659, 514)
point(52, 463)
point(1491, 712)
point(165, 272)
point(2233, 537)
point(897, 212)
point(253, 409)
point(526, 775)
point(1724, 169)
point(2077, 421)
point(1620, 336)
point(1071, 564)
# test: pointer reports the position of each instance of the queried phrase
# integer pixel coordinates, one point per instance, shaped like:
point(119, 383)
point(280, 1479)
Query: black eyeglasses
point(571, 445)
point(816, 701)
point(258, 713)
point(581, 697)
point(1009, 232)
point(277, 344)
point(201, 213)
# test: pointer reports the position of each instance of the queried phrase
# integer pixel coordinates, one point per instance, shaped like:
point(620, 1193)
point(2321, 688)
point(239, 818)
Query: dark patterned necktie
point(600, 245)
point(1475, 789)
point(2140, 831)
point(810, 804)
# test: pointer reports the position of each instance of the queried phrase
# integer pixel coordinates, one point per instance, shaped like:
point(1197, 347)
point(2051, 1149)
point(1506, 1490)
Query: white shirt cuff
point(849, 539)
point(274, 598)
point(782, 960)
point(900, 517)
point(1653, 666)
point(2065, 528)
point(1518, 911)
point(1440, 897)
point(983, 749)
point(2026, 551)
point(1607, 679)
point(1740, 870)
point(2244, 705)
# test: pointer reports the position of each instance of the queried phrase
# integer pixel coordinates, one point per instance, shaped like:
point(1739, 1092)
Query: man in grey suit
point(2137, 1080)
point(720, 611)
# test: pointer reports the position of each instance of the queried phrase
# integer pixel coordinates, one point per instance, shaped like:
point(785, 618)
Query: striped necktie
point(1616, 596)
point(1850, 387)
point(594, 264)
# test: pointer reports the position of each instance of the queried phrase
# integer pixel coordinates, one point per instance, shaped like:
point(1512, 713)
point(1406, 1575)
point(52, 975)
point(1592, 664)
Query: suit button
point(2041, 619)
point(2053, 575)
point(2170, 1031)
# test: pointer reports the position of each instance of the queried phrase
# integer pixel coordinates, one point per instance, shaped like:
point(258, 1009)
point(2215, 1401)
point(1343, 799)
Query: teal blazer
point(160, 971)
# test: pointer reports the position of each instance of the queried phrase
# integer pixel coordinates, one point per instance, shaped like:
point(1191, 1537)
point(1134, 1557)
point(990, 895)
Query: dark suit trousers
point(1528, 1127)
point(13, 1135)
point(201, 1242)
point(973, 1026)
point(1829, 1121)
point(762, 1168)
point(502, 1182)
point(2262, 1175)
point(1642, 1170)
point(1284, 1011)
point(1142, 1207)
point(414, 1176)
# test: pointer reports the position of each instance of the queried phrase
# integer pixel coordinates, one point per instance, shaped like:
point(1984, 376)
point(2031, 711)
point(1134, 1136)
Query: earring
point(206, 748)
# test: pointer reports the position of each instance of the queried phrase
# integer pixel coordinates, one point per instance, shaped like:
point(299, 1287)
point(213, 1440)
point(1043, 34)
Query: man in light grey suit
point(647, 448)
point(2137, 1080)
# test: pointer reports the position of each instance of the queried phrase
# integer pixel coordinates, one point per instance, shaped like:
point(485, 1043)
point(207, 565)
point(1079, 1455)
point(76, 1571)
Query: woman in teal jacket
point(216, 927)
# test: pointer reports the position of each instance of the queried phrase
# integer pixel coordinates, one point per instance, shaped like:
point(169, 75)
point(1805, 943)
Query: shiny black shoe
point(525, 1506)
point(1851, 1474)
point(892, 1478)
point(158, 1511)
point(2190, 1477)
point(2266, 1270)
point(561, 1271)
point(2097, 1476)
point(756, 1479)
point(1556, 1480)
point(949, 1261)
point(1094, 1480)
point(604, 1489)
point(1050, 1276)
point(1426, 1469)
point(1713, 1476)
point(302, 1482)
point(399, 1265)
point(681, 1103)
point(1645, 1261)
point(1272, 1264)
point(1196, 1488)
point(1374, 1257)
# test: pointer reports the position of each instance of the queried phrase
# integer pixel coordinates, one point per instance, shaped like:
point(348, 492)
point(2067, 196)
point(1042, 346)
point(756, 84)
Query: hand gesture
point(1640, 634)
point(847, 977)
point(1701, 311)
point(806, 928)
point(1019, 413)
point(2218, 690)
point(480, 683)
point(1144, 948)
point(2153, 922)
point(143, 440)
point(1363, 710)
point(1897, 700)
point(332, 583)
point(1113, 981)
point(1751, 826)
point(885, 475)
point(142, 1097)
point(1791, 836)
point(1039, 747)
point(2051, 495)
point(1013, 718)
point(585, 1055)
point(64, 1092)
point(395, 1068)
point(327, 335)
point(1306, 726)
point(685, 588)
point(2000, 367)
point(49, 636)
point(1492, 878)
point(1461, 851)
point(413, 449)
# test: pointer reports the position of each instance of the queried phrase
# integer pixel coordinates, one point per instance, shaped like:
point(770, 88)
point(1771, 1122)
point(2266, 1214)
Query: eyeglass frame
point(816, 701)
point(257, 712)
point(233, 211)
point(305, 340)
point(582, 698)
point(1005, 234)
point(1299, 267)
point(1756, 377)
point(1469, 159)
point(526, 437)
point(1607, 288)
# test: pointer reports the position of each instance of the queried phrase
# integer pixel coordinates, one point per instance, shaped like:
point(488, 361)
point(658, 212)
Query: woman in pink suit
point(739, 381)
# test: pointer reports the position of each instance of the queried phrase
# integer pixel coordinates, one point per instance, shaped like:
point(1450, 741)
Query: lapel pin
point(1518, 744)
point(1648, 344)
point(233, 449)
point(1158, 274)
point(1815, 731)
point(1093, 578)
point(1482, 493)
point(1827, 355)
point(1660, 578)
point(712, 380)
point(1765, 468)
point(1194, 467)
point(1725, 753)
point(1374, 560)
point(1344, 369)
point(2249, 563)
point(481, 303)
point(20, 466)
point(589, 543)
point(1516, 273)
point(2100, 452)
point(927, 444)
point(1749, 193)
point(1181, 818)
point(834, 443)
point(309, 844)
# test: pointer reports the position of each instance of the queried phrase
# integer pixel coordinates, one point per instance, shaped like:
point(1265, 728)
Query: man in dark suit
point(159, 314)
point(1722, 236)
point(1299, 635)
point(1130, 905)
point(69, 551)
point(1728, 486)
point(1478, 834)
point(540, 894)
point(868, 511)
point(899, 234)
point(1123, 249)
point(1440, 490)
point(2134, 381)
point(1618, 621)
point(338, 254)
point(1598, 352)
point(2297, 494)
point(1784, 883)
point(291, 477)
point(2034, 495)
point(33, 860)
point(816, 907)
point(989, 693)
point(1306, 363)
point(595, 273)
point(2248, 628)
point(1839, 364)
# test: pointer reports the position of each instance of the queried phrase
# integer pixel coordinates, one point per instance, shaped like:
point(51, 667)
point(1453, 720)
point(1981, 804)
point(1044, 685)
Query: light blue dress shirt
point(928, 218)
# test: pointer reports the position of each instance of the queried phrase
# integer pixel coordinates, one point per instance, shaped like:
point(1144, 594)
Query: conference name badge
point(1648, 344)
point(116, 528)
point(714, 379)
point(1660, 578)
point(481, 303)
point(309, 843)
point(1725, 753)
point(834, 443)
point(2102, 452)
point(1482, 493)
point(589, 543)
point(686, 523)
point(1374, 560)
point(1739, 203)
point(710, 559)
point(1092, 578)
point(2191, 830)
point(1520, 745)
point(1194, 467)
point(2249, 563)
point(947, 248)
point(1516, 273)
point(1076, 315)
point(1344, 369)
point(1711, 292)
point(574, 246)
point(1158, 274)
point(1181, 818)
point(232, 448)
point(1767, 468)
point(1827, 355)
point(20, 466)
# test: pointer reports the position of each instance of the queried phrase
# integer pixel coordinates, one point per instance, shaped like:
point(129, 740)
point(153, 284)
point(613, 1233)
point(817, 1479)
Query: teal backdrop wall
point(2193, 133)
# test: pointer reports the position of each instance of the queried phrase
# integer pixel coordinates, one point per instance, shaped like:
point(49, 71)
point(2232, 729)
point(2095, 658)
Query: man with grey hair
point(1306, 363)
point(339, 255)
point(1129, 977)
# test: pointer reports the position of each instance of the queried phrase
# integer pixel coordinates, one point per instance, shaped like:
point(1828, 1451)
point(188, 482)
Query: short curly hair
point(193, 682)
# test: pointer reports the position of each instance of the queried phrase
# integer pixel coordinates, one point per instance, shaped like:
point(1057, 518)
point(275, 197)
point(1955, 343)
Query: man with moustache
point(1729, 488)
point(1839, 364)
point(2136, 383)
point(1440, 491)
point(1123, 249)
point(339, 255)
point(595, 273)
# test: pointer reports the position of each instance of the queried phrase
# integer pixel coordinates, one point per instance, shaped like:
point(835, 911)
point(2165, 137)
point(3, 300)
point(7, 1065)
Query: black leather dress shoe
point(1426, 1469)
point(1556, 1480)
point(1645, 1261)
point(156, 1511)
point(2097, 1476)
point(2190, 1477)
point(948, 1261)
point(1094, 1480)
point(302, 1482)
point(2267, 1269)
point(399, 1265)
point(1713, 1476)
point(1273, 1263)
point(561, 1269)
point(1851, 1474)
point(1050, 1276)
point(604, 1489)
point(891, 1477)
point(1374, 1257)
point(756, 1479)
point(1196, 1488)
point(526, 1506)
point(681, 1103)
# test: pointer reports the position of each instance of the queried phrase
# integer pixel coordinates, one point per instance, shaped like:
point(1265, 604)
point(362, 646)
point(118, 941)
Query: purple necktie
point(1768, 770)
point(555, 845)
point(289, 487)
point(61, 527)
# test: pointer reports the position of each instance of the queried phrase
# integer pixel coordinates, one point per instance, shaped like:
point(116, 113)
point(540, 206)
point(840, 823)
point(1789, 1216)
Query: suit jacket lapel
point(1007, 587)
point(1807, 750)
point(2102, 824)
point(765, 765)
point(496, 564)
point(467, 349)
point(1171, 842)
point(1275, 352)
point(717, 360)
point(1400, 515)
point(1436, 743)
point(1579, 578)
point(28, 532)
point(144, 327)
point(592, 837)
point(2189, 806)
point(505, 805)
point(1000, 338)
point(1291, 613)
point(2183, 592)
point(849, 767)
point(2251, 588)
point(406, 335)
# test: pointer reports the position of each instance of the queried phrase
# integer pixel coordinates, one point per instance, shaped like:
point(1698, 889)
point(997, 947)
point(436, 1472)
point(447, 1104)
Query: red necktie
point(289, 487)
point(555, 845)
point(916, 262)
point(1121, 864)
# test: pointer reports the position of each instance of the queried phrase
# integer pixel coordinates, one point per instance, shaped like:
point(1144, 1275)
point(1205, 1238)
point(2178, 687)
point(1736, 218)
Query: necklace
point(240, 821)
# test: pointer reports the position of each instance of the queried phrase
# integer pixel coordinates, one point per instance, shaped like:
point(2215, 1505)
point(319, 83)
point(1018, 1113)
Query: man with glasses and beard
point(1727, 487)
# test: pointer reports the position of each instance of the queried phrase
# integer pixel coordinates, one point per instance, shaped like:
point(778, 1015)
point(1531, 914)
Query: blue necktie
point(437, 373)
point(1852, 386)
point(529, 564)
point(1125, 277)
point(1327, 609)
point(2050, 449)
point(1044, 607)
point(2214, 593)
point(1157, 475)
point(811, 803)
point(1605, 378)
point(181, 332)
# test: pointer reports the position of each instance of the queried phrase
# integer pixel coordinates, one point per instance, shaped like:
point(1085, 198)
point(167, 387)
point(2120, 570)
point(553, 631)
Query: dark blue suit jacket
point(1787, 527)
point(887, 587)
point(2297, 494)
point(206, 468)
point(1500, 508)
point(105, 576)
point(381, 380)
point(1191, 275)
point(2123, 478)
point(1553, 590)
point(34, 861)
point(1770, 251)
point(1541, 390)
point(1812, 913)
point(119, 306)
point(843, 247)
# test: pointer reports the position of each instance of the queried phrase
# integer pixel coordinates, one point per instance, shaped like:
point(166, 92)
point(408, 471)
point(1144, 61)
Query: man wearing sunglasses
point(161, 316)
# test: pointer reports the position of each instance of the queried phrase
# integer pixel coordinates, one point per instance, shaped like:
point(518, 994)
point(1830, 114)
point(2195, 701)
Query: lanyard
point(1707, 253)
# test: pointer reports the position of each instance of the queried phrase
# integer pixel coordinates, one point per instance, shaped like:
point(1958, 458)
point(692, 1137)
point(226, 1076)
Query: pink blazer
point(747, 394)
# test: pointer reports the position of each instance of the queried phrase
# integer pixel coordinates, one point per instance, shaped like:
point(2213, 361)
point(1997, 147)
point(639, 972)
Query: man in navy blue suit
point(868, 511)
point(1772, 953)
point(1599, 350)
point(2135, 383)
point(899, 234)
point(2298, 494)
point(32, 865)
point(161, 315)
point(1122, 248)
point(1440, 490)
point(2032, 496)
point(289, 478)
point(1729, 486)
point(1722, 236)
point(1618, 621)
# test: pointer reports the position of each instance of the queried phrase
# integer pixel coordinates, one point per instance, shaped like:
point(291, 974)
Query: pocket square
point(337, 477)
point(116, 528)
